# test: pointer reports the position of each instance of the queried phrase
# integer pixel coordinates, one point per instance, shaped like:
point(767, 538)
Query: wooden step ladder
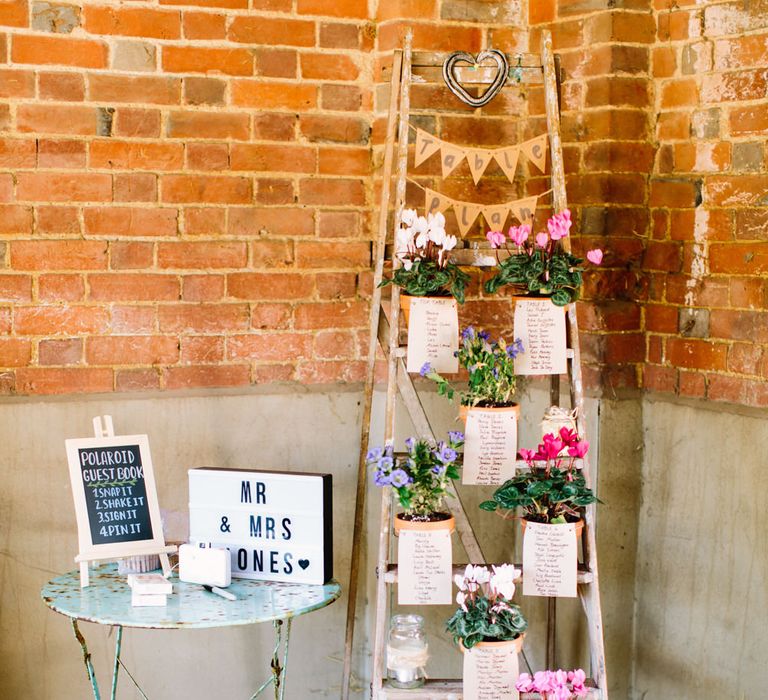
point(407, 68)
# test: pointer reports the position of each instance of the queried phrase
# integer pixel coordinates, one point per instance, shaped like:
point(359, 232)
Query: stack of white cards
point(149, 589)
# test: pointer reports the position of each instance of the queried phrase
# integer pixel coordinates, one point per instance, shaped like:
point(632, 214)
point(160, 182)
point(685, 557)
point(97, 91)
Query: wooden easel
point(384, 333)
point(103, 428)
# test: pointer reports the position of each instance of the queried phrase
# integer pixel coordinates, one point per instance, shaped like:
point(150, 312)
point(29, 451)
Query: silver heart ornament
point(449, 75)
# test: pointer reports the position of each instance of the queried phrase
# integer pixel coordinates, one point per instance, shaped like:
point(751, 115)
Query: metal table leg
point(87, 660)
point(278, 667)
point(116, 667)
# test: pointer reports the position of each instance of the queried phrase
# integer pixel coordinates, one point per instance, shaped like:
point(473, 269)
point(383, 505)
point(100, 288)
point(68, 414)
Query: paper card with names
point(433, 334)
point(490, 446)
point(550, 560)
point(541, 326)
point(424, 566)
point(490, 673)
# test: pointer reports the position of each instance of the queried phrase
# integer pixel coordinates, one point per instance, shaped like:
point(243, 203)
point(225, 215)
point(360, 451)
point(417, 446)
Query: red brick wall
point(707, 314)
point(186, 190)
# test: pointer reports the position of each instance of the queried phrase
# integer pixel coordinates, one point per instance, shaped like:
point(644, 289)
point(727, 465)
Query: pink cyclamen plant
point(540, 262)
point(554, 685)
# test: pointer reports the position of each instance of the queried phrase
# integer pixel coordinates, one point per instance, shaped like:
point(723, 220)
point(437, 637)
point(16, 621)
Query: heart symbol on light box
point(449, 75)
point(303, 563)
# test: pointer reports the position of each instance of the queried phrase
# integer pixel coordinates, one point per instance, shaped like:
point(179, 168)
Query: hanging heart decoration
point(449, 75)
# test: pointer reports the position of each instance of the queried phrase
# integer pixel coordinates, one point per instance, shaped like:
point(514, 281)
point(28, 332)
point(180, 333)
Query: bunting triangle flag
point(466, 213)
point(450, 156)
point(478, 160)
point(524, 209)
point(426, 145)
point(536, 151)
point(507, 160)
point(496, 216)
point(434, 201)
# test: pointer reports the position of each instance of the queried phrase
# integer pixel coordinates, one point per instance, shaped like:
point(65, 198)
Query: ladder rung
point(583, 576)
point(441, 689)
point(402, 351)
point(520, 464)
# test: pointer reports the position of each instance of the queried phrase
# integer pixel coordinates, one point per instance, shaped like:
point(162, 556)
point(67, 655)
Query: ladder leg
point(389, 429)
point(362, 481)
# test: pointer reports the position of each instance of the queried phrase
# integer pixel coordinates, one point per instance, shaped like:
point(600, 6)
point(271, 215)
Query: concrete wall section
point(702, 625)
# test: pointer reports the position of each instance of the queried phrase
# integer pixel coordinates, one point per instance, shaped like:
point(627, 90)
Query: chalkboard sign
point(115, 498)
point(277, 526)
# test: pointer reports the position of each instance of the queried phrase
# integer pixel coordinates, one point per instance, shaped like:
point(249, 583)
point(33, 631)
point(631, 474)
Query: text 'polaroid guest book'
point(277, 525)
point(113, 487)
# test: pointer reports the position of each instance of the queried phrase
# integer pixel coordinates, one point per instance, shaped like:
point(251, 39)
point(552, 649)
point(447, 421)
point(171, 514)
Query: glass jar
point(407, 651)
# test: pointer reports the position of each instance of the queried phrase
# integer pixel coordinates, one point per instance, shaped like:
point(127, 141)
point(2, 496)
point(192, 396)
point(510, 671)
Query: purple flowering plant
point(491, 367)
point(420, 478)
point(554, 685)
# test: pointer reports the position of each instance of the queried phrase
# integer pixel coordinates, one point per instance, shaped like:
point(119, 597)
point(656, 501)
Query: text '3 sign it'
point(276, 525)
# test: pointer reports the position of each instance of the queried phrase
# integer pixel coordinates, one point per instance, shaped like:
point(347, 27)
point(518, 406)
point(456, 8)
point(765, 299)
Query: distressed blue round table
point(107, 601)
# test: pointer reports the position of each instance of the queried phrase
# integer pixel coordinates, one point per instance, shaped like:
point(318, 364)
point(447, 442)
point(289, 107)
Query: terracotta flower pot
point(579, 525)
point(424, 525)
point(464, 410)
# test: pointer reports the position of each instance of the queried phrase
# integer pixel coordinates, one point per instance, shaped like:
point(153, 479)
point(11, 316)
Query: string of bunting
point(495, 215)
point(535, 150)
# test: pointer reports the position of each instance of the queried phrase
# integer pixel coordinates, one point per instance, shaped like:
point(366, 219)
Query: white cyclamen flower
point(449, 242)
point(460, 598)
point(437, 235)
point(436, 220)
point(408, 217)
point(403, 240)
point(460, 582)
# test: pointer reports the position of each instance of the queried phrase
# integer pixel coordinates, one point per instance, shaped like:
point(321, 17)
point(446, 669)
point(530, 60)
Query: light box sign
point(276, 525)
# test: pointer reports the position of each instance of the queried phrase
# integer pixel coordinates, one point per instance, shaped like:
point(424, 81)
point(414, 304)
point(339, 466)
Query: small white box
point(148, 600)
point(208, 566)
point(150, 584)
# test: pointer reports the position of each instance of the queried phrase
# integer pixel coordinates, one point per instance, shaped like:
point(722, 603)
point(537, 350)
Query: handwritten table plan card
point(541, 326)
point(433, 334)
point(549, 560)
point(424, 563)
point(490, 446)
point(490, 672)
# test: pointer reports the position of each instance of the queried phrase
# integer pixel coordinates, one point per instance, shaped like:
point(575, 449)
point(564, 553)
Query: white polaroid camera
point(208, 566)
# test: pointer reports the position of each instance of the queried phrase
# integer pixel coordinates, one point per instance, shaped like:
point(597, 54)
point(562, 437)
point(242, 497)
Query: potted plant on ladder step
point(420, 478)
point(539, 265)
point(551, 493)
point(423, 247)
point(489, 628)
point(486, 406)
point(552, 490)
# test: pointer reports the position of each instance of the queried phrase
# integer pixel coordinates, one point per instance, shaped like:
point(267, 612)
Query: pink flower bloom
point(495, 238)
point(524, 683)
point(568, 436)
point(561, 677)
point(578, 449)
point(561, 692)
point(519, 234)
point(527, 455)
point(559, 225)
point(595, 256)
point(577, 677)
point(542, 239)
point(551, 448)
point(542, 681)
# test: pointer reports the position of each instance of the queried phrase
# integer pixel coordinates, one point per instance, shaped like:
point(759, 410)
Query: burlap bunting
point(495, 215)
point(479, 158)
